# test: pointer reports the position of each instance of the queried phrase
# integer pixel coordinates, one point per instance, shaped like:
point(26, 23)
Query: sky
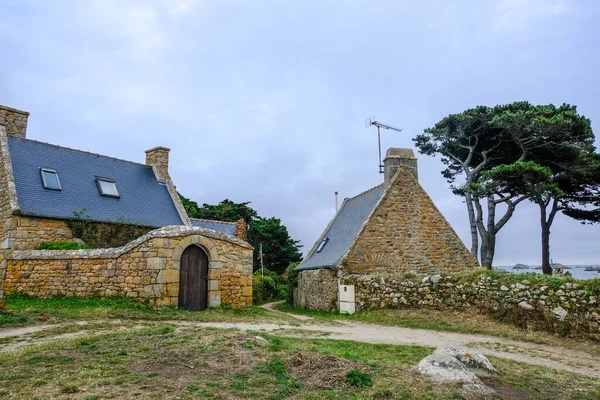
point(265, 101)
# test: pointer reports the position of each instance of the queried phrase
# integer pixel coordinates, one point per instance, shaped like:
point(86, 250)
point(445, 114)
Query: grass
point(23, 311)
point(166, 363)
point(448, 321)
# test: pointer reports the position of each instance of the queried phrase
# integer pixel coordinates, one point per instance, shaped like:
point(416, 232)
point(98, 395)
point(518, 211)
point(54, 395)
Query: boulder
point(435, 278)
point(455, 365)
point(472, 359)
point(443, 368)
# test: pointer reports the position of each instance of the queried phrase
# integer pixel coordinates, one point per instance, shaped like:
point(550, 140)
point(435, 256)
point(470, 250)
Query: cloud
point(519, 14)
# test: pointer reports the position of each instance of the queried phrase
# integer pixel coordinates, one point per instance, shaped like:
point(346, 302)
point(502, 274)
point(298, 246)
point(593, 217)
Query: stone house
point(178, 261)
point(386, 231)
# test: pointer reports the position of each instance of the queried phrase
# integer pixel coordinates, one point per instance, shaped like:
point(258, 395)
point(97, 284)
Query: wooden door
point(193, 279)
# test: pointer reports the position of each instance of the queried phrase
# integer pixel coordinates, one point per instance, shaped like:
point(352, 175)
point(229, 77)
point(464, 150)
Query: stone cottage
point(389, 230)
point(178, 261)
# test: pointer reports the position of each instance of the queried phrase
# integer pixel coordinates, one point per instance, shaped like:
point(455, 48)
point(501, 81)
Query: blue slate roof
point(142, 201)
point(342, 230)
point(219, 226)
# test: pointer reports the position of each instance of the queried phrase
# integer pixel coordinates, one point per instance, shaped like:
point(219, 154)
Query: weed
point(358, 379)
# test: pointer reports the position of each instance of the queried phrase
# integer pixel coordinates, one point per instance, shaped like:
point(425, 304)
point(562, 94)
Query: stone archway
point(193, 279)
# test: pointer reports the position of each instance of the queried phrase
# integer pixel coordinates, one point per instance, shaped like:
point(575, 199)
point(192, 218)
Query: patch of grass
point(24, 310)
point(164, 362)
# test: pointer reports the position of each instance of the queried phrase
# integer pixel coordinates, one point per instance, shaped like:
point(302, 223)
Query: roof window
point(50, 179)
point(107, 187)
point(322, 244)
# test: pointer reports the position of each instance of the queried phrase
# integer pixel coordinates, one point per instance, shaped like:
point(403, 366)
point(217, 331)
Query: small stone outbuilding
point(386, 231)
point(178, 261)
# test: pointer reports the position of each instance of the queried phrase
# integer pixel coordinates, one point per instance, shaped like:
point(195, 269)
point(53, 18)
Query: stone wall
point(406, 232)
point(147, 268)
point(8, 190)
point(572, 306)
point(27, 233)
point(317, 290)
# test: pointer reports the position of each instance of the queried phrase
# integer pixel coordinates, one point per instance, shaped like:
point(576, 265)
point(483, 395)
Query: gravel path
point(538, 354)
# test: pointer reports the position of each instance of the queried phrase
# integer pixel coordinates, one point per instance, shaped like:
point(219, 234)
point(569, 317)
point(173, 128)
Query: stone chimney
point(158, 158)
point(394, 159)
point(15, 121)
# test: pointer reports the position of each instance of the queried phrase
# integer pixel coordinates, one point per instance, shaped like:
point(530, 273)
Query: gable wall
point(406, 232)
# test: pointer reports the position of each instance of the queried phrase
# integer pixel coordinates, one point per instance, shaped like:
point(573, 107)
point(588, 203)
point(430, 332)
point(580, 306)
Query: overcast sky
point(265, 101)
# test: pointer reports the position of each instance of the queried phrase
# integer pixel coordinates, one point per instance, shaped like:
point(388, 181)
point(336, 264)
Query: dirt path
point(550, 356)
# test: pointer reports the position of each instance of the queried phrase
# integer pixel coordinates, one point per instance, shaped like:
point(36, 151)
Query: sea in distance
point(577, 271)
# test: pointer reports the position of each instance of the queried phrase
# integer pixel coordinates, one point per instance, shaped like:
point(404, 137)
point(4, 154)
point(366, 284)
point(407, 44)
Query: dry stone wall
point(147, 268)
point(572, 306)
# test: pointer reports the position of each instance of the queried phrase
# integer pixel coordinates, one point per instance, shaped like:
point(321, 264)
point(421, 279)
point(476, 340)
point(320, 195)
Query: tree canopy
point(279, 249)
point(511, 153)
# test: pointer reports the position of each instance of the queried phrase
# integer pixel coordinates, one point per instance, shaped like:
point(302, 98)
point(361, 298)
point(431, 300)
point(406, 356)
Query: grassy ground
point(28, 311)
point(175, 363)
point(450, 321)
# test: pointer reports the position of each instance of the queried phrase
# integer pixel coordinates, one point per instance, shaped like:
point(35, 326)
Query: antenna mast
point(372, 121)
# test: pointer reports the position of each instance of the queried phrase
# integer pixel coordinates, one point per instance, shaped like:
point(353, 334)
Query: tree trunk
point(473, 223)
point(488, 257)
point(546, 222)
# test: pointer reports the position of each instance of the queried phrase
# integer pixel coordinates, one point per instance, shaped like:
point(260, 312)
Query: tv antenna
point(372, 121)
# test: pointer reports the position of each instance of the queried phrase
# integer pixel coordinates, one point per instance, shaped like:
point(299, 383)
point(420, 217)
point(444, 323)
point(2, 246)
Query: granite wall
point(147, 268)
point(316, 290)
point(406, 232)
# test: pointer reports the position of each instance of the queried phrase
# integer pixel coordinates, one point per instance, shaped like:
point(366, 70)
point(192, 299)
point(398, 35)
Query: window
point(322, 244)
point(108, 187)
point(50, 179)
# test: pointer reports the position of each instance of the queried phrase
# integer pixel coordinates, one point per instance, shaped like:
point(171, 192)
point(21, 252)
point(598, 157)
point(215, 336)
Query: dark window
point(50, 179)
point(107, 187)
point(322, 244)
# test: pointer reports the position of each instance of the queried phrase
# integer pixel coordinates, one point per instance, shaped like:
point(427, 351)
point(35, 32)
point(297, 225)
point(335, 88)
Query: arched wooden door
point(193, 279)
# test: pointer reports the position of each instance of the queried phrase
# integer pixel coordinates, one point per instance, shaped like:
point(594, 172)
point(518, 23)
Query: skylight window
point(322, 244)
point(50, 179)
point(107, 187)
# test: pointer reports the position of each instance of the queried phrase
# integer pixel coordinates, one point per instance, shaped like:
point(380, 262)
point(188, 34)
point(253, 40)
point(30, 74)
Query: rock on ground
point(448, 364)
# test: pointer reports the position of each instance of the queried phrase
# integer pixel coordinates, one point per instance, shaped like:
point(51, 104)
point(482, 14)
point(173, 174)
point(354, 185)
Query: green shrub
point(62, 246)
point(268, 287)
point(357, 378)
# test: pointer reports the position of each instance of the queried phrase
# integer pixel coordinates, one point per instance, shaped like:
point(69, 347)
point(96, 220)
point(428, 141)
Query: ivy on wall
point(100, 235)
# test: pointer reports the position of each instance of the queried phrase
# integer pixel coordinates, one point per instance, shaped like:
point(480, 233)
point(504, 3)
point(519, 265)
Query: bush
point(292, 278)
point(268, 287)
point(62, 246)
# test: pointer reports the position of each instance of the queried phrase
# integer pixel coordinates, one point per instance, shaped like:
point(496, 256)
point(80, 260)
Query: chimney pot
point(158, 157)
point(394, 159)
point(14, 121)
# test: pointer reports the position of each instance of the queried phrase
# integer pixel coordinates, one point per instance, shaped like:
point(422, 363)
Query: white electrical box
point(347, 302)
point(347, 293)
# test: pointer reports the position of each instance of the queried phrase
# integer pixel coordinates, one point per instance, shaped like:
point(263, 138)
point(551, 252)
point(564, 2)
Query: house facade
point(386, 231)
point(177, 261)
